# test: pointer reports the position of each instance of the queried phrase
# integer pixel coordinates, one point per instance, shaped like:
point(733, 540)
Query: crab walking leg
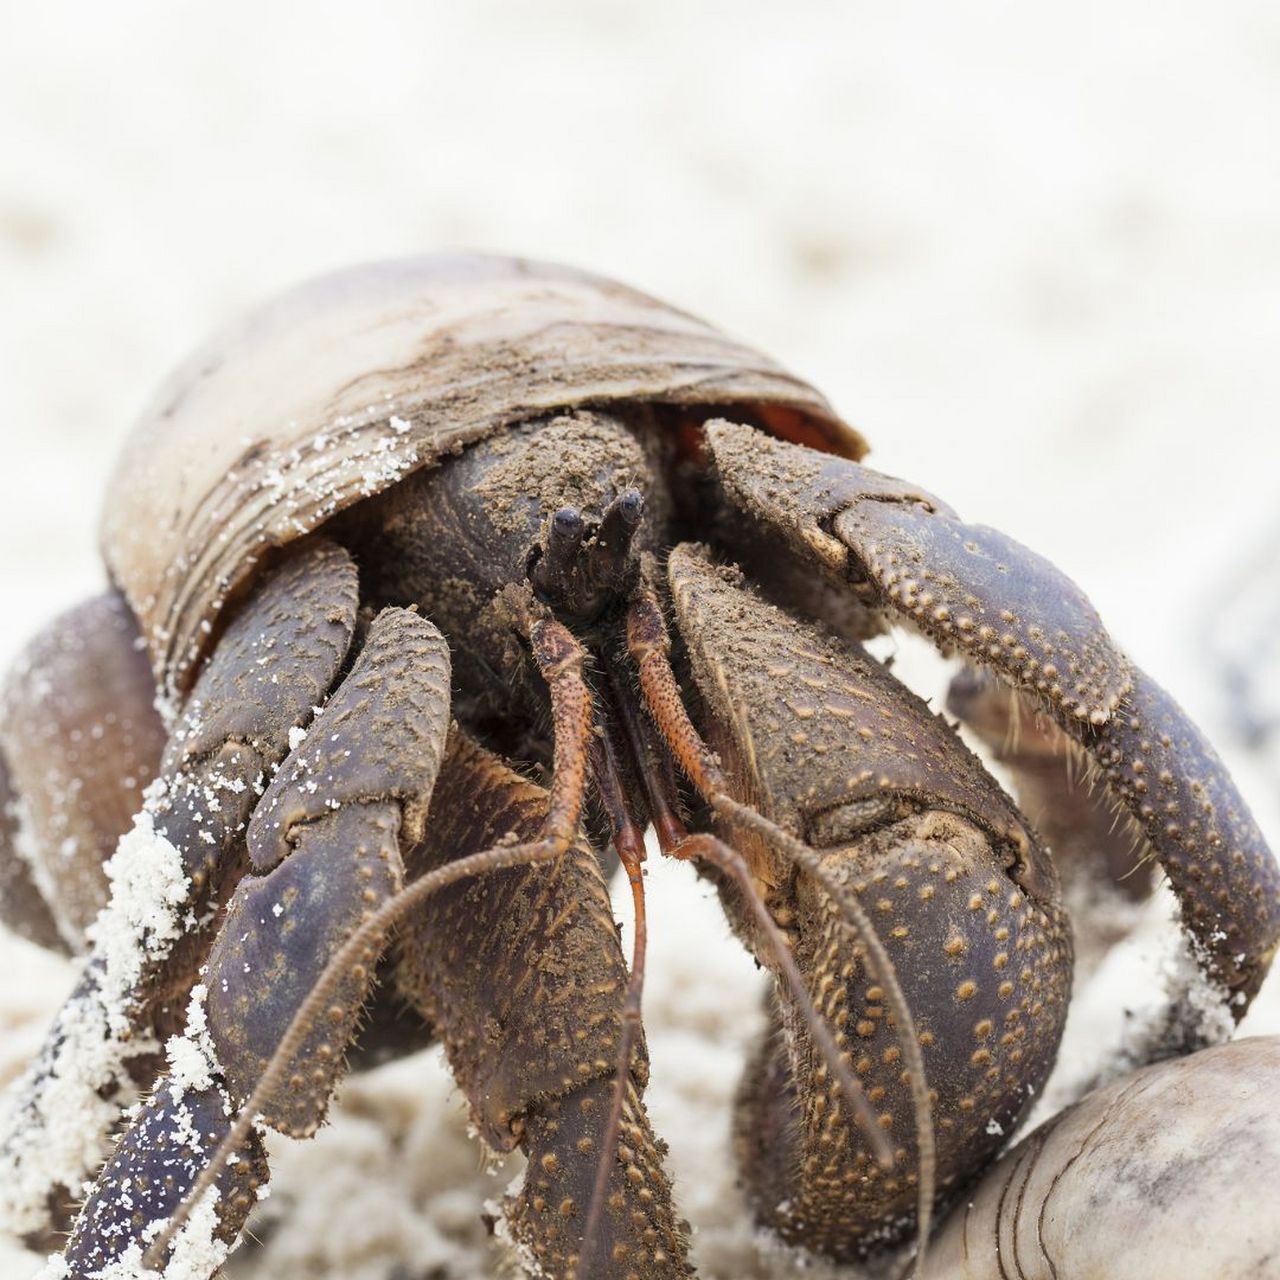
point(901, 819)
point(275, 663)
point(627, 834)
point(972, 589)
point(1156, 1175)
point(142, 1185)
point(522, 973)
point(82, 738)
point(324, 847)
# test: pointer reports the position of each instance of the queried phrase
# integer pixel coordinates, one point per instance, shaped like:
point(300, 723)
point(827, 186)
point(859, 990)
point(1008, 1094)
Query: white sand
point(1033, 253)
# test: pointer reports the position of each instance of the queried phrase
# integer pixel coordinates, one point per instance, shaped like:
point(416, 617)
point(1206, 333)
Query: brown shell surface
point(341, 387)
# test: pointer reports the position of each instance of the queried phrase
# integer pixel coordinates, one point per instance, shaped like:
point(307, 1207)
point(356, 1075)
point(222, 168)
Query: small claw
point(326, 838)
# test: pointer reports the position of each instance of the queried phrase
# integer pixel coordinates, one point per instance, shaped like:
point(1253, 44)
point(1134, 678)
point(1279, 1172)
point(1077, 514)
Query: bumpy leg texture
point(324, 848)
point(973, 590)
point(272, 667)
point(523, 975)
point(902, 819)
point(151, 1170)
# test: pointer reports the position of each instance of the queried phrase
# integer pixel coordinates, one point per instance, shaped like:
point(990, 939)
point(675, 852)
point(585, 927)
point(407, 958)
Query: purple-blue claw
point(146, 1179)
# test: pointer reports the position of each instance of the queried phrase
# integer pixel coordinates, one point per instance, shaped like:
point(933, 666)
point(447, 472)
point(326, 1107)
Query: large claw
point(974, 590)
point(830, 745)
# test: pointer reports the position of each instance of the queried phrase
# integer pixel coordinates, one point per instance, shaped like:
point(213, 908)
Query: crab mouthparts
point(582, 565)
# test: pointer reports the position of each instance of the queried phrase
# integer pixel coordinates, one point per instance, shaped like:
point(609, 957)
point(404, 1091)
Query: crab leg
point(627, 834)
point(830, 747)
point(522, 973)
point(273, 665)
point(82, 739)
point(23, 907)
point(971, 589)
point(559, 659)
point(325, 852)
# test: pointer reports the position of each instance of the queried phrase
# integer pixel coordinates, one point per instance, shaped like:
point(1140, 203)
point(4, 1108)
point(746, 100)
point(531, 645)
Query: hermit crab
point(437, 583)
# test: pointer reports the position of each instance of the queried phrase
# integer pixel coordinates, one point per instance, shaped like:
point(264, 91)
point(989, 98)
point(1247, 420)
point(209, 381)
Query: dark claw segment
point(279, 934)
point(966, 586)
point(277, 660)
point(328, 833)
point(380, 737)
point(148, 1175)
point(639, 1234)
point(1170, 779)
point(797, 492)
point(972, 588)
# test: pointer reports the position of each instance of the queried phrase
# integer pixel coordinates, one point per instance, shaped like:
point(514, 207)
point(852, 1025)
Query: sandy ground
point(1033, 253)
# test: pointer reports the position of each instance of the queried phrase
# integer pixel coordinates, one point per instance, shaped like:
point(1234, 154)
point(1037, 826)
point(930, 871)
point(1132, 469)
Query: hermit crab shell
point(345, 385)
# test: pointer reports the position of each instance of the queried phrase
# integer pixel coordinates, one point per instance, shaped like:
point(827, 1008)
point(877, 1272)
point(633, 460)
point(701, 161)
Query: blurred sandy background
point(1033, 252)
